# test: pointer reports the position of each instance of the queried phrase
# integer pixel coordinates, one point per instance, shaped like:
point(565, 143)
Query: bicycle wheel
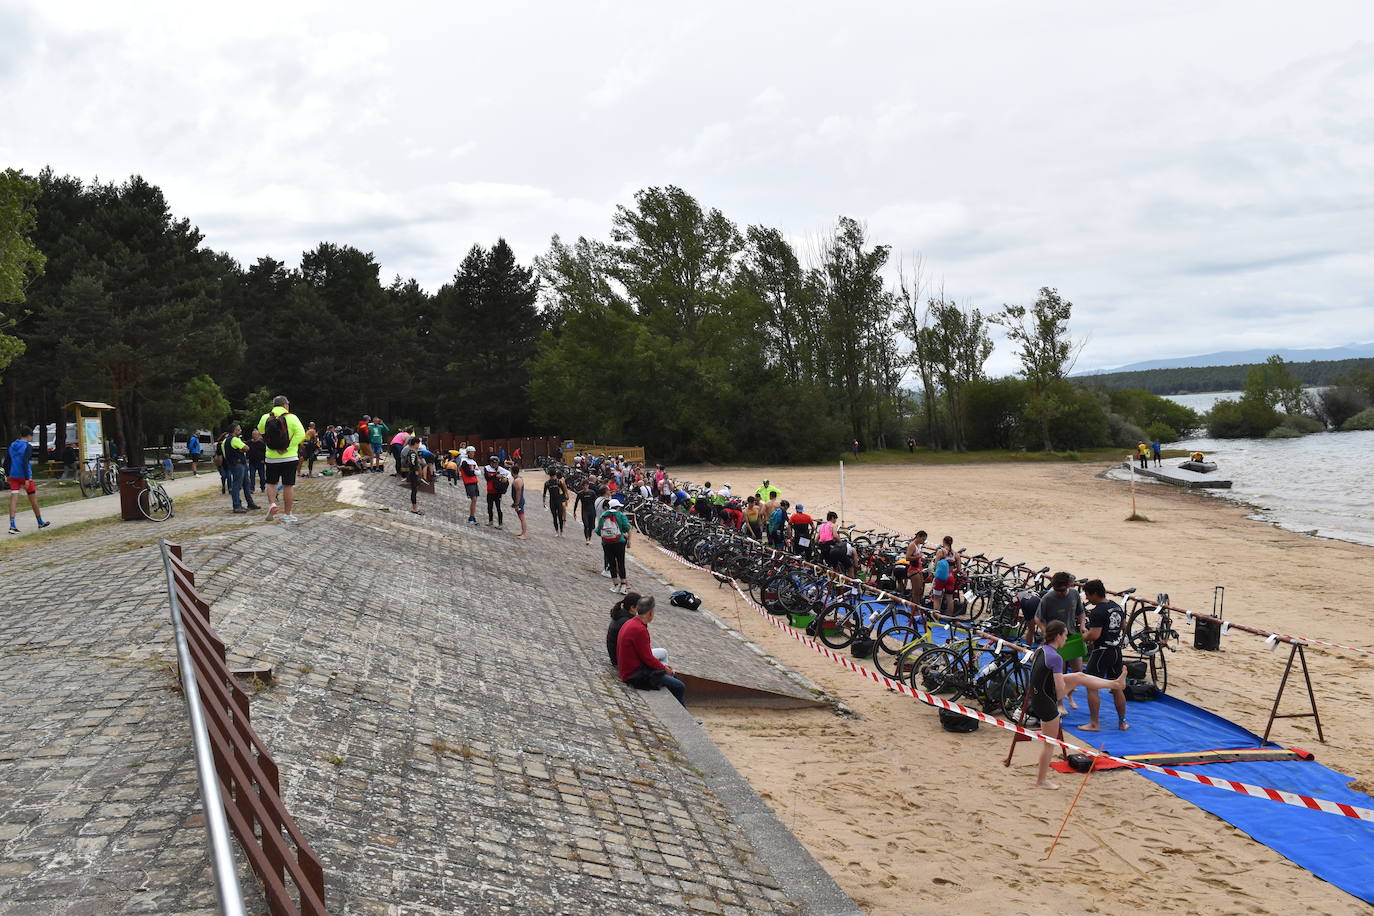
point(1159, 671)
point(1141, 633)
point(896, 651)
point(154, 503)
point(838, 625)
point(1015, 680)
point(89, 481)
point(938, 671)
point(109, 480)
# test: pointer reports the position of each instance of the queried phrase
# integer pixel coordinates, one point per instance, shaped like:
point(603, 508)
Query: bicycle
point(154, 502)
point(99, 476)
point(1150, 639)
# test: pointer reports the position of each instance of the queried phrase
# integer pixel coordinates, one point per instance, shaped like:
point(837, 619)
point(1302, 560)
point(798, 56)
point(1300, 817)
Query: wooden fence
point(632, 453)
point(531, 448)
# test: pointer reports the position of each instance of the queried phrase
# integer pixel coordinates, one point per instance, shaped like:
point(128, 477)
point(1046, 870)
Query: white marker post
point(1131, 463)
point(841, 492)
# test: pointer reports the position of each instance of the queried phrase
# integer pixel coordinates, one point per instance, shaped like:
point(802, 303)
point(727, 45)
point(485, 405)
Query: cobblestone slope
point(448, 739)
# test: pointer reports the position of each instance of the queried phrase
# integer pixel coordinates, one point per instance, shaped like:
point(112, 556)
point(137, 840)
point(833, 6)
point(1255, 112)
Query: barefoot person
point(1104, 661)
point(517, 499)
point(1048, 685)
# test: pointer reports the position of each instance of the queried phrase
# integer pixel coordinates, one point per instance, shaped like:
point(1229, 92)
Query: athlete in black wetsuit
point(586, 503)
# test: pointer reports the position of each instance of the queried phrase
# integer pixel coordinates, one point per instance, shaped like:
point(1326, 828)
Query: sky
point(1193, 177)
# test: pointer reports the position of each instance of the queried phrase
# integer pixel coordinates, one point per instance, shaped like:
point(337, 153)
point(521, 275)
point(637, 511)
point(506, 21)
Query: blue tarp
point(1335, 848)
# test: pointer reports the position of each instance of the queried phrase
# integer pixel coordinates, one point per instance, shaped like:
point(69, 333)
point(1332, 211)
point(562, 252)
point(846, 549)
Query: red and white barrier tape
point(1279, 795)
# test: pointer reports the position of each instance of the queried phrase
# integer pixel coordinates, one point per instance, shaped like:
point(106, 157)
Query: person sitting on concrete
point(621, 611)
point(640, 665)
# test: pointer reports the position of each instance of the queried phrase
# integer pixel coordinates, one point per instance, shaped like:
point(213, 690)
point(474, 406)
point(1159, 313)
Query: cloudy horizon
point(1193, 180)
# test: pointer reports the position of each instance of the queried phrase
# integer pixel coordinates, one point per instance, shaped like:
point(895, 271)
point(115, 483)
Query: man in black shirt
point(257, 462)
point(1104, 631)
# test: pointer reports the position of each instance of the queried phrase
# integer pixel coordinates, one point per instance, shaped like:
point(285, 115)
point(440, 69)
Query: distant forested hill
point(1221, 378)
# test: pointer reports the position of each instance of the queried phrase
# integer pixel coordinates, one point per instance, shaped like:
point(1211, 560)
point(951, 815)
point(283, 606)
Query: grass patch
point(55, 492)
point(1137, 517)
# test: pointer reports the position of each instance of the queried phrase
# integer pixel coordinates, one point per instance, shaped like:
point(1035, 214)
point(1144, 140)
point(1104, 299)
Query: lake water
point(1319, 483)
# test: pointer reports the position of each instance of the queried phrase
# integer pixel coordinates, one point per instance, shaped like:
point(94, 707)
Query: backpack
point(276, 433)
point(610, 526)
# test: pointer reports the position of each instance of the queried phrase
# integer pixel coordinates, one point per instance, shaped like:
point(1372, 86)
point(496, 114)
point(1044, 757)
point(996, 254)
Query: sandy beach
point(911, 819)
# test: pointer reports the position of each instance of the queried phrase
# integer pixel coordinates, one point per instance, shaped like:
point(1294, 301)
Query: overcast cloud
point(1195, 177)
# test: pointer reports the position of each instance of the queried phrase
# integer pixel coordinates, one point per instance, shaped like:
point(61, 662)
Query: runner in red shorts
point(21, 478)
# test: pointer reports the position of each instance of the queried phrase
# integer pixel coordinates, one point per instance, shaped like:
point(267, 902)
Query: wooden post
point(1295, 650)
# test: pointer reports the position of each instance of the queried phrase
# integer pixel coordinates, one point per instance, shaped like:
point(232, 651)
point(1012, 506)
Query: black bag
point(862, 647)
point(952, 721)
point(647, 678)
point(1080, 763)
point(1140, 690)
point(1136, 671)
point(276, 433)
point(684, 598)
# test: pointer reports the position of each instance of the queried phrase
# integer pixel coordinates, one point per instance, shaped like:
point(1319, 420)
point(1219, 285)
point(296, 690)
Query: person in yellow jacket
point(1142, 454)
point(284, 433)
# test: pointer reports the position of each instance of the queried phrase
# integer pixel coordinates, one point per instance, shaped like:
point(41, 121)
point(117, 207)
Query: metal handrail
point(216, 825)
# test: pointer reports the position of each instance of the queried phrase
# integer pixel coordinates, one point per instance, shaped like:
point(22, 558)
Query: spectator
point(911, 445)
point(498, 481)
point(309, 448)
point(1157, 451)
point(621, 611)
point(467, 472)
point(233, 456)
point(801, 524)
point(193, 451)
point(398, 444)
point(364, 442)
point(1062, 602)
point(329, 442)
point(71, 456)
point(257, 462)
point(283, 433)
point(351, 458)
point(855, 448)
point(378, 433)
point(614, 529)
point(1104, 661)
point(639, 664)
point(20, 475)
point(705, 498)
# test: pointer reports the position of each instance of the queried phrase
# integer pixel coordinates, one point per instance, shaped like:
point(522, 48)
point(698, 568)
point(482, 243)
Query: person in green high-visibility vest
point(719, 498)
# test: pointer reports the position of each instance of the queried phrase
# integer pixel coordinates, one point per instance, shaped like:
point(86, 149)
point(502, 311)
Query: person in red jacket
point(637, 660)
